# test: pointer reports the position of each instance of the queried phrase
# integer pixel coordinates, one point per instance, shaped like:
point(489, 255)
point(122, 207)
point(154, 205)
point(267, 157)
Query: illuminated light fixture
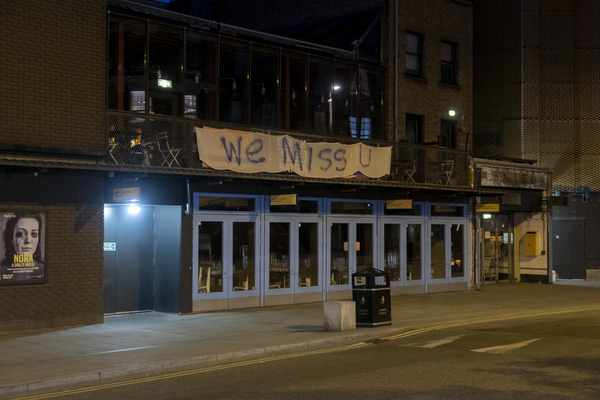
point(336, 87)
point(165, 83)
point(487, 216)
point(134, 209)
point(451, 113)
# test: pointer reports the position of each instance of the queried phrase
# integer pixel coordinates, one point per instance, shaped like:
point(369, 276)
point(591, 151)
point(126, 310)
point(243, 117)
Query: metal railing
point(159, 142)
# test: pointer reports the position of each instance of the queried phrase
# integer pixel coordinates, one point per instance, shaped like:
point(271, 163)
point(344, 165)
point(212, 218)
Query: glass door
point(352, 240)
point(294, 249)
point(225, 256)
point(448, 250)
point(402, 250)
point(497, 247)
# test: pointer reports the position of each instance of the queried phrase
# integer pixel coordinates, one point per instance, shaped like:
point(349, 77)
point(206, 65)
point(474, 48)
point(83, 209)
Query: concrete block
point(592, 274)
point(339, 316)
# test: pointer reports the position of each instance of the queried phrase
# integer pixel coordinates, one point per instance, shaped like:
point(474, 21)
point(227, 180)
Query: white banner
point(251, 152)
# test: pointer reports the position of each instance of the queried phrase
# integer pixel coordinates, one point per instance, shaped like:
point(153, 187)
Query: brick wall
point(52, 86)
point(73, 203)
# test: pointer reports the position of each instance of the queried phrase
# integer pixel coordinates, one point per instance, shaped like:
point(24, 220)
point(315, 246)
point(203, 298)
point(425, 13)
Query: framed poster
point(23, 247)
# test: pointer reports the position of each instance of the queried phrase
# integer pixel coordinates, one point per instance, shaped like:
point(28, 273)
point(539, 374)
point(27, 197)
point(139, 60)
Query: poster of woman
point(23, 247)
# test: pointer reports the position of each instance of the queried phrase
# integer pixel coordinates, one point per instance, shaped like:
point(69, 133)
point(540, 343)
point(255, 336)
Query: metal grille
point(163, 142)
point(537, 87)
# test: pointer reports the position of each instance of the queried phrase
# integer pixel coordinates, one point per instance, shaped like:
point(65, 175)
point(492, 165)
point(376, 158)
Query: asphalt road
point(556, 356)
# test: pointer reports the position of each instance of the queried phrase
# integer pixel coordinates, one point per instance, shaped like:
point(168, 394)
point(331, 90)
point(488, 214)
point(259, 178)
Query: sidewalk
point(152, 342)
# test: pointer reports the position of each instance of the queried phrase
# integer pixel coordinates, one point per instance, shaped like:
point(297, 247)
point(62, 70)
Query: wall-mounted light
point(451, 113)
point(487, 216)
point(134, 209)
point(336, 87)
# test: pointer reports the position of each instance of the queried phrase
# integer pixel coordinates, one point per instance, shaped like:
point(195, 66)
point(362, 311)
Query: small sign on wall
point(283, 200)
point(405, 204)
point(487, 207)
point(124, 194)
point(110, 246)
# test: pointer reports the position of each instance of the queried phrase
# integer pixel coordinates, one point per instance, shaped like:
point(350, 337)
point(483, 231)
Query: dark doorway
point(141, 258)
point(568, 249)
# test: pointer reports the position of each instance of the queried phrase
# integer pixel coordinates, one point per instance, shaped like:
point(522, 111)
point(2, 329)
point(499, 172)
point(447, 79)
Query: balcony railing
point(166, 143)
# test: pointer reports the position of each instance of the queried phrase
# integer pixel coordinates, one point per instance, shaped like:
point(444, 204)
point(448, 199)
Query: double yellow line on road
point(194, 371)
point(296, 355)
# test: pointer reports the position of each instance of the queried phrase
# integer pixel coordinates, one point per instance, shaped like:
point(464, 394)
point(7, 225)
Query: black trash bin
point(371, 293)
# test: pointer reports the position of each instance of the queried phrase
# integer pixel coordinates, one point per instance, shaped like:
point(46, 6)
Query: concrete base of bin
point(339, 316)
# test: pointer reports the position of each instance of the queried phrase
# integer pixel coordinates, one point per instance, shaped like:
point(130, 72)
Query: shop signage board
point(487, 207)
point(283, 200)
point(252, 152)
point(405, 204)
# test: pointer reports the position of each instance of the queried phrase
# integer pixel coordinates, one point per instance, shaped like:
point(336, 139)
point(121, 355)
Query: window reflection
point(308, 252)
point(457, 250)
point(279, 257)
point(413, 252)
point(392, 251)
point(340, 274)
point(210, 257)
point(364, 246)
point(345, 99)
point(438, 252)
point(126, 74)
point(320, 79)
point(165, 55)
point(243, 256)
point(200, 77)
point(293, 93)
point(233, 70)
point(264, 86)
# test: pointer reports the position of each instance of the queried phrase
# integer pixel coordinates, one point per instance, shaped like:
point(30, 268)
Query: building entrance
point(497, 247)
point(141, 258)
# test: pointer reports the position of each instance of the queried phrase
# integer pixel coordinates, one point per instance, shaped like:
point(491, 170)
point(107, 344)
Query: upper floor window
point(414, 54)
point(448, 60)
point(414, 129)
point(447, 133)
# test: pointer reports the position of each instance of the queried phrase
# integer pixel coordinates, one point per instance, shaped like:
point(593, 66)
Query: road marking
point(192, 372)
point(436, 343)
point(485, 320)
point(120, 350)
point(506, 349)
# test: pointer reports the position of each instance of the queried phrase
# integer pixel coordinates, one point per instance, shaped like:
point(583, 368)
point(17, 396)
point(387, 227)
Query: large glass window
point(200, 76)
point(233, 72)
point(345, 95)
point(448, 59)
point(413, 252)
point(126, 73)
point(364, 246)
point(391, 249)
point(457, 250)
point(279, 257)
point(340, 273)
point(320, 86)
point(371, 104)
point(308, 254)
point(447, 133)
point(263, 89)
point(438, 251)
point(165, 56)
point(243, 256)
point(293, 91)
point(413, 55)
point(210, 257)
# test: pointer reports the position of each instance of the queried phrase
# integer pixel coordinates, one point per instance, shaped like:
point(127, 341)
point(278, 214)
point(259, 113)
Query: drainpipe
point(396, 72)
